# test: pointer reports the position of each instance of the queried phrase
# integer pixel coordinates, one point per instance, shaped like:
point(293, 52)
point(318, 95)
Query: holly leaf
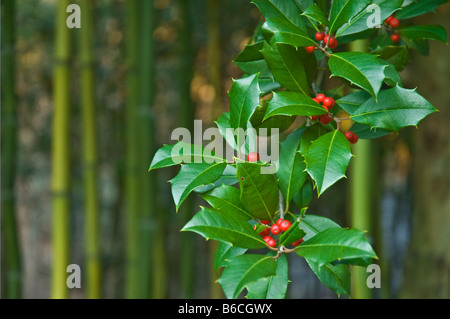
point(227, 198)
point(224, 252)
point(243, 270)
point(228, 177)
point(396, 108)
point(343, 11)
point(314, 224)
point(418, 8)
point(362, 69)
point(181, 153)
point(336, 278)
point(327, 159)
point(192, 176)
point(287, 10)
point(315, 13)
point(226, 227)
point(424, 32)
point(335, 244)
point(278, 30)
point(244, 99)
point(397, 55)
point(351, 102)
point(290, 67)
point(259, 192)
point(228, 133)
point(360, 22)
point(292, 103)
point(271, 287)
point(291, 171)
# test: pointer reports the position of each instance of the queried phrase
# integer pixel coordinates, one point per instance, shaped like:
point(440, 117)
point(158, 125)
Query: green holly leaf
point(343, 11)
point(244, 99)
point(271, 287)
point(315, 13)
point(180, 153)
point(290, 67)
point(192, 176)
point(352, 101)
point(228, 177)
point(418, 8)
point(223, 253)
point(327, 159)
point(291, 171)
point(314, 224)
point(227, 132)
point(226, 227)
point(251, 61)
point(227, 198)
point(424, 32)
point(259, 192)
point(292, 103)
point(311, 134)
point(287, 10)
point(397, 55)
point(335, 244)
point(365, 132)
point(243, 270)
point(362, 69)
point(278, 30)
point(360, 22)
point(336, 278)
point(396, 108)
point(304, 195)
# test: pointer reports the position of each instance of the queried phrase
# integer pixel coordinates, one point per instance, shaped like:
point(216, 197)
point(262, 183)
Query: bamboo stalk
point(92, 245)
point(61, 153)
point(361, 196)
point(10, 246)
point(132, 191)
point(186, 119)
point(147, 142)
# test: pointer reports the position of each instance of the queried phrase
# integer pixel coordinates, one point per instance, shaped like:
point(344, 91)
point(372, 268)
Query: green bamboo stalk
point(147, 142)
point(215, 78)
point(132, 189)
point(61, 153)
point(11, 287)
point(92, 245)
point(214, 55)
point(186, 119)
point(361, 196)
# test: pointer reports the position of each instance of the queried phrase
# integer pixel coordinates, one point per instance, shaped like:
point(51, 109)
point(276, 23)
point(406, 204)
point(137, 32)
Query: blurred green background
point(83, 111)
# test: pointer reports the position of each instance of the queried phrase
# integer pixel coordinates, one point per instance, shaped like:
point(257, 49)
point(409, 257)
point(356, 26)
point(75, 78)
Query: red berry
point(253, 157)
point(298, 242)
point(329, 102)
point(319, 36)
point(394, 23)
point(320, 97)
point(275, 229)
point(265, 222)
point(279, 221)
point(265, 232)
point(314, 117)
point(310, 49)
point(389, 19)
point(330, 41)
point(271, 242)
point(284, 225)
point(351, 137)
point(395, 38)
point(325, 119)
point(267, 238)
point(316, 100)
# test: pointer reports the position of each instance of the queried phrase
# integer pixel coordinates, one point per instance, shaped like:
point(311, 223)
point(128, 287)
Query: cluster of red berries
point(329, 40)
point(280, 226)
point(328, 103)
point(394, 23)
point(351, 137)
